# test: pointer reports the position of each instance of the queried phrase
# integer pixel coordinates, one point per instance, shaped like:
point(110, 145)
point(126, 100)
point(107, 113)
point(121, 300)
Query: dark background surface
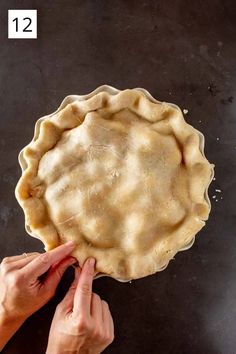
point(182, 52)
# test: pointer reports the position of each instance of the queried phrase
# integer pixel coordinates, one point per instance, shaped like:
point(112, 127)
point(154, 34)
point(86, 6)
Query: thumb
point(67, 303)
point(56, 272)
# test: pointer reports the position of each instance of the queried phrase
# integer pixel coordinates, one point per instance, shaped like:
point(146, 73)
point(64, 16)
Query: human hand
point(82, 322)
point(22, 292)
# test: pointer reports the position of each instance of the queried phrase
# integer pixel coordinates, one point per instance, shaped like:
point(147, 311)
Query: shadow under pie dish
point(121, 174)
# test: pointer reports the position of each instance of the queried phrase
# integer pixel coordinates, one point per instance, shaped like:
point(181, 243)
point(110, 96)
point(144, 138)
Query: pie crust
point(121, 174)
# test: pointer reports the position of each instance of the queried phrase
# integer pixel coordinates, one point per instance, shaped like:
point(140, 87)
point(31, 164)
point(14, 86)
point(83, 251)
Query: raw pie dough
point(122, 176)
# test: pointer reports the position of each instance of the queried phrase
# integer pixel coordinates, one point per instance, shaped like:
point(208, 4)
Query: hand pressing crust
point(22, 291)
point(82, 322)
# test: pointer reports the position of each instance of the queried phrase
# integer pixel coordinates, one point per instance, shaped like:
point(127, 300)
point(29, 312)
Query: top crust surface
point(122, 176)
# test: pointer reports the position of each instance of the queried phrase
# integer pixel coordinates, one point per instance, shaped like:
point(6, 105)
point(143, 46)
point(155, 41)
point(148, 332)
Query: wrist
point(61, 351)
point(89, 351)
point(8, 326)
point(9, 319)
point(59, 348)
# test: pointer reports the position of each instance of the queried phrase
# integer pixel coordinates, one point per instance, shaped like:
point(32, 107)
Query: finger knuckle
point(105, 304)
point(44, 258)
point(89, 271)
point(85, 289)
point(59, 307)
point(5, 260)
point(73, 287)
point(96, 297)
point(110, 338)
point(97, 333)
point(5, 268)
point(83, 325)
point(14, 279)
point(35, 254)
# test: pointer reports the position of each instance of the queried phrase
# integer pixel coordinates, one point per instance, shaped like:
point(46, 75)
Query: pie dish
point(120, 173)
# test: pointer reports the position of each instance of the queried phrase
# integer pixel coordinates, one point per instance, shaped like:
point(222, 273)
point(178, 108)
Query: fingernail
point(70, 244)
point(91, 262)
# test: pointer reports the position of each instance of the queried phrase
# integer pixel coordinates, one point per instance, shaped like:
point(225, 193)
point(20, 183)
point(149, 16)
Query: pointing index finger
point(45, 260)
point(83, 294)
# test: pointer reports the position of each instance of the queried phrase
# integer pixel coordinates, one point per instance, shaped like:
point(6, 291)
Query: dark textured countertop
point(182, 52)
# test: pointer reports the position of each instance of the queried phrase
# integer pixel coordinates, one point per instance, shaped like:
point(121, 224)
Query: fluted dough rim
point(112, 91)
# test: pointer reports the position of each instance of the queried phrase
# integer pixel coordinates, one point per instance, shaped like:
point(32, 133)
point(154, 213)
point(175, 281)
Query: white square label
point(22, 23)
